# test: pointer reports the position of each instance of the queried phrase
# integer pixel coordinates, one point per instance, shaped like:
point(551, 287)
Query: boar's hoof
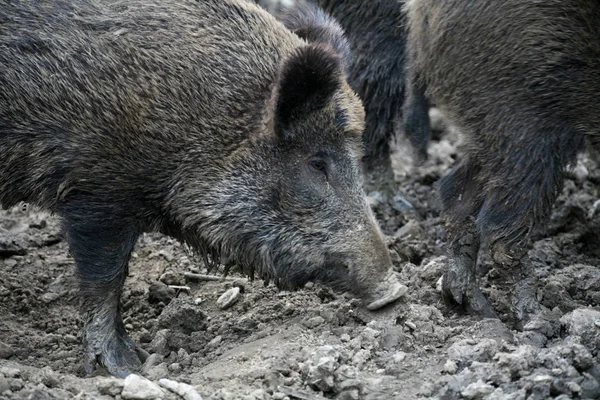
point(114, 351)
point(387, 292)
point(460, 289)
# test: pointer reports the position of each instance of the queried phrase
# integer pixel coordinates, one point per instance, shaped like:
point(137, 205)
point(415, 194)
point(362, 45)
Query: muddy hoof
point(117, 353)
point(457, 289)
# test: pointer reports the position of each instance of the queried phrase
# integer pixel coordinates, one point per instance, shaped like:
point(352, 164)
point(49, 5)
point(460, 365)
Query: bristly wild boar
point(376, 32)
point(205, 120)
point(521, 79)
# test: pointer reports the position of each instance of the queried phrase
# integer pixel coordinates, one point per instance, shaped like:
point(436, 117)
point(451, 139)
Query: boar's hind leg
point(101, 246)
point(460, 192)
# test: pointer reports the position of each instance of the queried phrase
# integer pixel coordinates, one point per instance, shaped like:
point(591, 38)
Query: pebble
point(10, 372)
point(314, 322)
point(182, 315)
point(5, 350)
point(137, 388)
point(439, 284)
point(477, 390)
point(229, 298)
point(321, 376)
point(159, 292)
point(399, 356)
point(4, 384)
point(152, 360)
point(582, 322)
point(182, 389)
point(450, 367)
point(109, 386)
point(175, 368)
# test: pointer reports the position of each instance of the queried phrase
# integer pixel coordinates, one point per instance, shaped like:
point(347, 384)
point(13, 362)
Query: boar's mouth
point(337, 275)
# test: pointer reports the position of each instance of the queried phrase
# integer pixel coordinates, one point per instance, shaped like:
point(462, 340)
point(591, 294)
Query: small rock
point(321, 376)
point(522, 359)
point(589, 387)
point(4, 384)
point(574, 387)
point(582, 322)
point(10, 372)
point(399, 356)
point(175, 368)
point(160, 343)
point(182, 389)
point(137, 388)
point(465, 350)
point(229, 298)
point(5, 351)
point(160, 292)
point(477, 390)
point(158, 372)
point(450, 367)
point(314, 322)
point(439, 284)
point(110, 386)
point(411, 325)
point(215, 341)
point(183, 315)
point(48, 377)
point(171, 278)
point(16, 385)
point(151, 361)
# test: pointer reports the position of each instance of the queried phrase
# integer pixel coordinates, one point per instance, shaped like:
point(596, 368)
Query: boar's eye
point(318, 165)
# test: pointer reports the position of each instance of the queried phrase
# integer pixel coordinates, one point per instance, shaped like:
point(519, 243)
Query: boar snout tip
point(387, 292)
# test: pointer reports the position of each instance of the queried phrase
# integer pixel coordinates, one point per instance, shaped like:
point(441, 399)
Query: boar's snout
point(371, 267)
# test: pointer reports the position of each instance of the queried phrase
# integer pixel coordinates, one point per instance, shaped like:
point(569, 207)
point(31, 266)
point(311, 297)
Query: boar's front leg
point(460, 193)
point(101, 245)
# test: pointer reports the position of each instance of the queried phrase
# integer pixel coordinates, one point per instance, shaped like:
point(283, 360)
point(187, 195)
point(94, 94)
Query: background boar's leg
point(101, 246)
point(460, 281)
point(460, 192)
point(416, 121)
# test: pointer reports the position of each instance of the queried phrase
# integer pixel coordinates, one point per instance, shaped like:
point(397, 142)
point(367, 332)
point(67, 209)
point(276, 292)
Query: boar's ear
point(307, 81)
point(315, 26)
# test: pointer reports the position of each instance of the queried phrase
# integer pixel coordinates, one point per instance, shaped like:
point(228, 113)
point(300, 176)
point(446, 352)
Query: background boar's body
point(376, 32)
point(207, 121)
point(521, 79)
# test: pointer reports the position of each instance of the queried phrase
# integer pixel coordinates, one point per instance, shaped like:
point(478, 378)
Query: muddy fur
point(208, 121)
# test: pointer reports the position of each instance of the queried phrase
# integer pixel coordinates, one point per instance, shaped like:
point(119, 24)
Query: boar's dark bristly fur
point(521, 80)
point(376, 32)
point(315, 26)
point(208, 121)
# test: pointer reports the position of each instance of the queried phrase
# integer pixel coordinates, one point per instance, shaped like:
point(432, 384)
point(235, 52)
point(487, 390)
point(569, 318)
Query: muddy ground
point(314, 344)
